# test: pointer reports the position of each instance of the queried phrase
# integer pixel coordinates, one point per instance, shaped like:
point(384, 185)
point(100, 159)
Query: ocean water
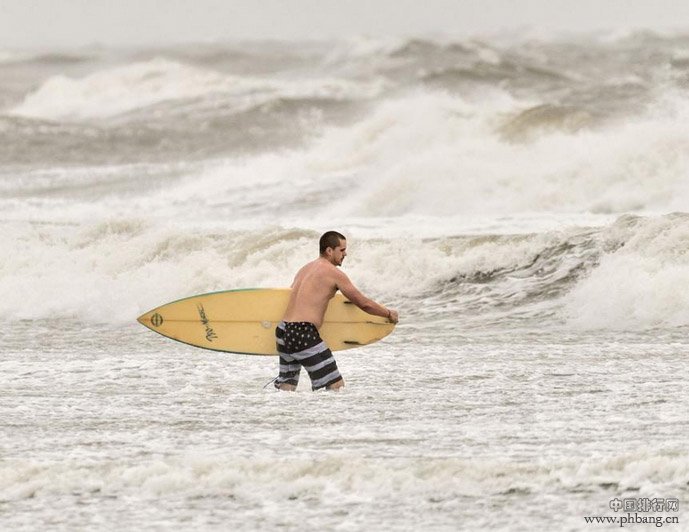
point(524, 203)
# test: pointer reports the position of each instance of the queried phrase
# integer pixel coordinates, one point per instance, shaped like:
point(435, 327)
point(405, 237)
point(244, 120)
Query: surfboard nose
point(144, 319)
point(150, 319)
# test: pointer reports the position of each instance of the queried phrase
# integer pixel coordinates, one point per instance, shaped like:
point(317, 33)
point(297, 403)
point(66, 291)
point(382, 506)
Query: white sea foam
point(115, 270)
point(95, 273)
point(136, 85)
point(343, 476)
point(432, 153)
point(422, 159)
point(637, 285)
point(440, 155)
point(119, 269)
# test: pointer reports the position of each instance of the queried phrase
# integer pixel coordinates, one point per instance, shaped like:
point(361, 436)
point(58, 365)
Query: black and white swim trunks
point(299, 344)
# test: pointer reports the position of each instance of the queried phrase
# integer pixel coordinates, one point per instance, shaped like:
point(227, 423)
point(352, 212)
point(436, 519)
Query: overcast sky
point(68, 23)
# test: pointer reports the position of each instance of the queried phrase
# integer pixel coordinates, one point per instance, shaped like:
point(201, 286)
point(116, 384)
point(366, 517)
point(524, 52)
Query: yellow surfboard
point(244, 321)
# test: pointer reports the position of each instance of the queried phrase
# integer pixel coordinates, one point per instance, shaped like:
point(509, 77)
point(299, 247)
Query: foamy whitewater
point(524, 204)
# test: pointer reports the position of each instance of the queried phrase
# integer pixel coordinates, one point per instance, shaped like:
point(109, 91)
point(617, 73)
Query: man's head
point(333, 247)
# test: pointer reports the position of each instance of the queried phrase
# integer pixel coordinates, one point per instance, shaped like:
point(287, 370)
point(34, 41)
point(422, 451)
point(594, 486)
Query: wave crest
point(134, 86)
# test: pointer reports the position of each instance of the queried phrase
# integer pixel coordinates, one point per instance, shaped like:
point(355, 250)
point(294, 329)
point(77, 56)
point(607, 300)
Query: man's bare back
point(314, 286)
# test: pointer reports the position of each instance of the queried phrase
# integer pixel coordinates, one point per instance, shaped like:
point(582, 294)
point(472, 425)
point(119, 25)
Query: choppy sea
point(523, 202)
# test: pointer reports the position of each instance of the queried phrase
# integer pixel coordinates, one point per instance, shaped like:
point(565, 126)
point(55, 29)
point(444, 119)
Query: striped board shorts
point(299, 344)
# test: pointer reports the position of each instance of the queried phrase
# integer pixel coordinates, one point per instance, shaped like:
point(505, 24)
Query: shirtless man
point(298, 341)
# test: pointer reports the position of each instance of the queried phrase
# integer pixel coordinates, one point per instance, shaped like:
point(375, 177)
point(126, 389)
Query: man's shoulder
point(331, 273)
point(309, 266)
point(338, 276)
point(323, 270)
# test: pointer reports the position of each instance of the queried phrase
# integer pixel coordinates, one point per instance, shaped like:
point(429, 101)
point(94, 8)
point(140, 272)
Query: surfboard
point(244, 321)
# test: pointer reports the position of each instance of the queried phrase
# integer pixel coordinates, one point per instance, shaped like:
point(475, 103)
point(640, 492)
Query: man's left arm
point(366, 304)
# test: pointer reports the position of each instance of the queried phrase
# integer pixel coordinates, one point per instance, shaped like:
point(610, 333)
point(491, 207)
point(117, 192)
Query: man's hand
point(393, 316)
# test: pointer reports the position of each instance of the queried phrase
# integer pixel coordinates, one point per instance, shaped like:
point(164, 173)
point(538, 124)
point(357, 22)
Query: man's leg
point(288, 378)
point(323, 371)
point(289, 373)
point(335, 386)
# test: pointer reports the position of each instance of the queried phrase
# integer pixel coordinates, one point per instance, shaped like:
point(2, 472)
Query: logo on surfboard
point(210, 333)
point(156, 320)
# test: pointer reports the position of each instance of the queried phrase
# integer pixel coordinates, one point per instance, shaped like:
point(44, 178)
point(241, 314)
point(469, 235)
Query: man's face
point(339, 253)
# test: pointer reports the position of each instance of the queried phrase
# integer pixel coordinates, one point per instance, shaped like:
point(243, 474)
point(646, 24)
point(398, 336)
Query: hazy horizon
point(77, 23)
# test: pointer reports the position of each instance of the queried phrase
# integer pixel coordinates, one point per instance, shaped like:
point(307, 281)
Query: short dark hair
point(331, 239)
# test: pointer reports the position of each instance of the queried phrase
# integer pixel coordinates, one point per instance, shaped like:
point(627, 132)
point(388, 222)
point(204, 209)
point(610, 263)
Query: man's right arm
point(360, 300)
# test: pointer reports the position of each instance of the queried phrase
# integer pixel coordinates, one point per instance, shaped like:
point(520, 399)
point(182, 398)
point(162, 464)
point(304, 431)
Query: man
point(298, 341)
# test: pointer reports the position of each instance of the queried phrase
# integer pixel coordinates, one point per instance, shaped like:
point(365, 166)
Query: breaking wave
point(125, 88)
point(621, 277)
